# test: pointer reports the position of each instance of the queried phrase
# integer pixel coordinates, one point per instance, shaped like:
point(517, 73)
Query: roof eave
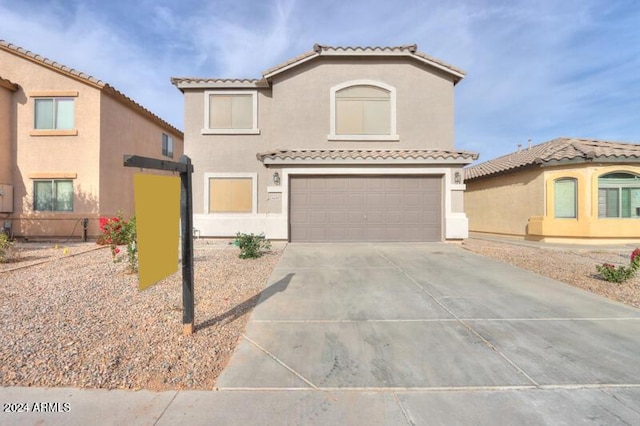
point(183, 84)
point(341, 161)
point(579, 160)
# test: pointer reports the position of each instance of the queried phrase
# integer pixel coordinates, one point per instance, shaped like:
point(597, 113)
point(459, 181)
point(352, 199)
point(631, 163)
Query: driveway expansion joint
point(467, 326)
point(276, 359)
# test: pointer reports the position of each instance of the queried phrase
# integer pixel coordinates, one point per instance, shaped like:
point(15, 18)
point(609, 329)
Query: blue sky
point(535, 69)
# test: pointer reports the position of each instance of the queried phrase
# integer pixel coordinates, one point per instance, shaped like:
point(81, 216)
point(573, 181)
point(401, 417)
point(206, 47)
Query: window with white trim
point(363, 110)
point(54, 114)
point(619, 195)
point(231, 192)
point(231, 112)
point(565, 198)
point(53, 195)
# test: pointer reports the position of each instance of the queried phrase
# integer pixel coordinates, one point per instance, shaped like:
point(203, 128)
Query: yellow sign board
point(157, 203)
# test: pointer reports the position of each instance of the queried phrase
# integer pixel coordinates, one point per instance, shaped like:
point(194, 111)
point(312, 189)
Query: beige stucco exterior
point(107, 125)
point(522, 204)
point(294, 112)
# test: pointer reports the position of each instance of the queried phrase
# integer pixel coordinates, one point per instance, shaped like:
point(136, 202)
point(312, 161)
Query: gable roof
point(410, 51)
point(368, 51)
point(557, 151)
point(351, 156)
point(90, 81)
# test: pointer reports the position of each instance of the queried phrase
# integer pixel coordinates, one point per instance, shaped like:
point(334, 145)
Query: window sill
point(53, 132)
point(230, 131)
point(364, 138)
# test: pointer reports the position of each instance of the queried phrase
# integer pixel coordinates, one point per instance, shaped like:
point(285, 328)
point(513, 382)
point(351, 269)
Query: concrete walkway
point(399, 334)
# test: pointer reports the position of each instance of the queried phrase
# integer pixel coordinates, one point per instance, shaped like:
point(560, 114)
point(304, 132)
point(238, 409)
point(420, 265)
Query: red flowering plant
point(116, 231)
point(619, 274)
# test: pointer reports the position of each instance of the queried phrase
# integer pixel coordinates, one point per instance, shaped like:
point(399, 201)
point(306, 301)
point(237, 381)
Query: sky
point(534, 69)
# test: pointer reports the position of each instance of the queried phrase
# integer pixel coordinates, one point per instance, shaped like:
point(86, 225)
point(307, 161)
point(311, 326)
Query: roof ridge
point(86, 78)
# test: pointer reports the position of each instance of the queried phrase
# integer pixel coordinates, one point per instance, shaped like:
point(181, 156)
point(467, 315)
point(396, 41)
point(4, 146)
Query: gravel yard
point(71, 317)
point(78, 320)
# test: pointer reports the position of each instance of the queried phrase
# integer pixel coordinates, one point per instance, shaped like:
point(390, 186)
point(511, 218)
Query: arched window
point(565, 198)
point(619, 195)
point(363, 110)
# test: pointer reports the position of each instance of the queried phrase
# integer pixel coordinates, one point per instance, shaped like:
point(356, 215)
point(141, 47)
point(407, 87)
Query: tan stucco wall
point(587, 224)
point(504, 204)
point(51, 155)
point(522, 204)
point(125, 132)
point(424, 103)
point(295, 113)
point(226, 153)
point(6, 126)
point(77, 157)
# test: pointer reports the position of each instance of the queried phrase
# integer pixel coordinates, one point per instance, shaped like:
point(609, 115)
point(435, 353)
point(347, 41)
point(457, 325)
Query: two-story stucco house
point(337, 144)
point(63, 135)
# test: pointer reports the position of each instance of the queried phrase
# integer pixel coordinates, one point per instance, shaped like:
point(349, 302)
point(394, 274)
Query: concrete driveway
point(432, 333)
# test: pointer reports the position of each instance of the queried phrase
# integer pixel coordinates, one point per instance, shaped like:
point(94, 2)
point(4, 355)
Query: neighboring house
point(337, 144)
point(63, 135)
point(566, 189)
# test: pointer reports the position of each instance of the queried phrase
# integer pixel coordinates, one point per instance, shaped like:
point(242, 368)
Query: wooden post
point(185, 168)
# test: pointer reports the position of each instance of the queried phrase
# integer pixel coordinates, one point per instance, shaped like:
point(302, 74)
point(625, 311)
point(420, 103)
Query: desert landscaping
point(73, 318)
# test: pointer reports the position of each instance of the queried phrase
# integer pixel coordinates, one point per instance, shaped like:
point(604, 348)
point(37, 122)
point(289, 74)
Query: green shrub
point(252, 246)
point(5, 248)
point(620, 274)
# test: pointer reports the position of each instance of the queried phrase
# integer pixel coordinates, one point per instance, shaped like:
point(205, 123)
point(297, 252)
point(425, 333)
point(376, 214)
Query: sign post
point(185, 168)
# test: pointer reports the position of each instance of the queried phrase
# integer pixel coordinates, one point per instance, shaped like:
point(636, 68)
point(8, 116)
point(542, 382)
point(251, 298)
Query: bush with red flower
point(116, 231)
point(621, 273)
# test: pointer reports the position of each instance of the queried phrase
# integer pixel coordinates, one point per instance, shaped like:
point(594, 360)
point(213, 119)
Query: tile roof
point(87, 79)
point(322, 50)
point(360, 155)
point(195, 82)
point(406, 50)
point(557, 151)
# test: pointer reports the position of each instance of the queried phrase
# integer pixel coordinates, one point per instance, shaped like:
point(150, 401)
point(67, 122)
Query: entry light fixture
point(276, 178)
point(457, 178)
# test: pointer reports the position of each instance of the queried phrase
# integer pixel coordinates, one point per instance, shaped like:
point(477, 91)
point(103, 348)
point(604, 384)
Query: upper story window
point(54, 113)
point(363, 110)
point(565, 198)
point(231, 112)
point(619, 195)
point(167, 145)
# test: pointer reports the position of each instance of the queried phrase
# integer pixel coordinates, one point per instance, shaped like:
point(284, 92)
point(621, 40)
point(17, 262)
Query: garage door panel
point(365, 208)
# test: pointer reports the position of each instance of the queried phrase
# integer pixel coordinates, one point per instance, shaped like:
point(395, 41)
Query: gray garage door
point(365, 208)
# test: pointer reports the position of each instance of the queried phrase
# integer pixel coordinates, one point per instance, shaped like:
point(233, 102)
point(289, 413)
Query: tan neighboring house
point(564, 190)
point(63, 135)
point(337, 144)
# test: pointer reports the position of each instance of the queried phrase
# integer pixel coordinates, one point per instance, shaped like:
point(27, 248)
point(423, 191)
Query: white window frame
point(618, 187)
point(254, 188)
point(209, 131)
point(574, 181)
point(393, 133)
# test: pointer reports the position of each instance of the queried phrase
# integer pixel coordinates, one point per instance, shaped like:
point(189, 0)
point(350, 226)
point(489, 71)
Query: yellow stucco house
point(564, 190)
point(63, 135)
